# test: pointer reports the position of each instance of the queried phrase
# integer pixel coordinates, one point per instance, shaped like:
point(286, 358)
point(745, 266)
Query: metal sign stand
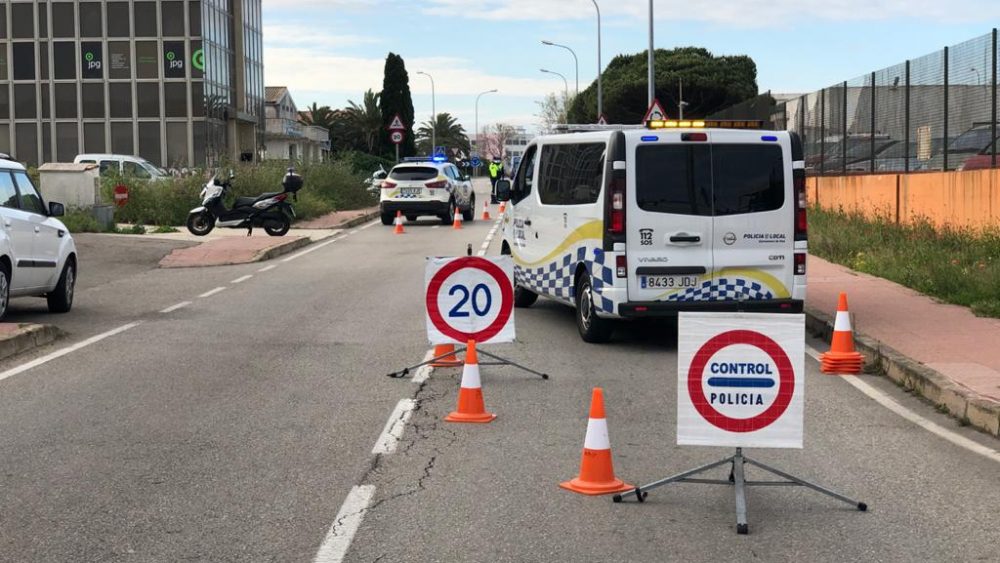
point(737, 479)
point(499, 362)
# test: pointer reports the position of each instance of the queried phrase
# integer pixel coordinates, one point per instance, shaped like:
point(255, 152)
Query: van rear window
point(413, 173)
point(709, 179)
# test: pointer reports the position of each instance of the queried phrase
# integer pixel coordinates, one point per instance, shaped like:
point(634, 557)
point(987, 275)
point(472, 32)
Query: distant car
point(125, 165)
point(426, 187)
point(37, 253)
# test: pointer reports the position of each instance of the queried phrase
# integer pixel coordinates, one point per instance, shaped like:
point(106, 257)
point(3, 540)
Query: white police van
point(647, 222)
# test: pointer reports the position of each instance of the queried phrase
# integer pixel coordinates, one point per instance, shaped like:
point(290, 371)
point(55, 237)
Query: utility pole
point(652, 76)
point(433, 114)
point(600, 90)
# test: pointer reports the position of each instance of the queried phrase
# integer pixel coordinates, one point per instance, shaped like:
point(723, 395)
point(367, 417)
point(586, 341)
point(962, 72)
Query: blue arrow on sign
point(476, 163)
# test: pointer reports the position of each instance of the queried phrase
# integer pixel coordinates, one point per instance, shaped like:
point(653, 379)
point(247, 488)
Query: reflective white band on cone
point(597, 435)
point(470, 379)
point(843, 322)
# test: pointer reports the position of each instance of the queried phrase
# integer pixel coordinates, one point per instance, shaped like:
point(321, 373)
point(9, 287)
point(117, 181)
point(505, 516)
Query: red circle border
point(506, 298)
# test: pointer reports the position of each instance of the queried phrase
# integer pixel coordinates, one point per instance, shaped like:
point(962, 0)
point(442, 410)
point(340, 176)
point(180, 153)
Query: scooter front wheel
point(277, 227)
point(201, 223)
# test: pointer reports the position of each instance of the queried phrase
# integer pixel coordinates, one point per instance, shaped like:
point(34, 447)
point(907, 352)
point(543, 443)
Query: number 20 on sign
point(470, 298)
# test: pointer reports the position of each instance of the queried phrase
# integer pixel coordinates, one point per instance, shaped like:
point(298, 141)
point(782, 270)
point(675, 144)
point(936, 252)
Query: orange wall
point(956, 199)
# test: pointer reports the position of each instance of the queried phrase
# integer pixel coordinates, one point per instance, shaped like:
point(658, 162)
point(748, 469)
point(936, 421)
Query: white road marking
point(312, 248)
point(173, 308)
point(267, 268)
point(241, 279)
point(212, 292)
point(69, 349)
point(436, 227)
point(338, 539)
point(394, 427)
point(354, 232)
point(371, 224)
point(932, 427)
point(424, 372)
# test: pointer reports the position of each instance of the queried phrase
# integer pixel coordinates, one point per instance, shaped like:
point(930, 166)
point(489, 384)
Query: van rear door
point(669, 216)
point(754, 215)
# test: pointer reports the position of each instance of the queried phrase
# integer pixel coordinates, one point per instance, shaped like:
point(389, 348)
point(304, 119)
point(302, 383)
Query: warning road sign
point(740, 380)
point(655, 112)
point(470, 298)
point(602, 119)
point(397, 124)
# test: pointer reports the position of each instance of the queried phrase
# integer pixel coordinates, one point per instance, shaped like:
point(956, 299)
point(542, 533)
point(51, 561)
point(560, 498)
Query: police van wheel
point(592, 328)
point(524, 298)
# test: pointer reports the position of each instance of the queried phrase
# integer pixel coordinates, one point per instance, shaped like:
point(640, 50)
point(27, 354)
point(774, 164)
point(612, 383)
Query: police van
point(646, 222)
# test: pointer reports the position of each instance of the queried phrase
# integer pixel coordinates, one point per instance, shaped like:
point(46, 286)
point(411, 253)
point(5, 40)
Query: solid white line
point(212, 292)
point(312, 248)
point(436, 227)
point(354, 232)
point(932, 427)
point(173, 308)
point(241, 279)
point(69, 349)
point(268, 268)
point(424, 372)
point(338, 539)
point(372, 224)
point(394, 427)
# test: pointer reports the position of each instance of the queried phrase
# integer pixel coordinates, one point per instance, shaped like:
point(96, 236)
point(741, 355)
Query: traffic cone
point(470, 396)
point(597, 475)
point(503, 207)
point(842, 358)
point(458, 219)
point(486, 211)
point(399, 223)
point(449, 361)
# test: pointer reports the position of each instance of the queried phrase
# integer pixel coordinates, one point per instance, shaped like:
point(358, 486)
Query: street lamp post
point(600, 91)
point(651, 79)
point(479, 139)
point(576, 62)
point(565, 84)
point(433, 113)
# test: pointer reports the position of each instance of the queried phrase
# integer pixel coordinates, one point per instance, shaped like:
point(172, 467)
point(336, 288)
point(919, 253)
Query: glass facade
point(179, 82)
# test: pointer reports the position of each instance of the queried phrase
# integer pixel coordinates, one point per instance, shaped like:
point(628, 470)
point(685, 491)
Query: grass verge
point(956, 266)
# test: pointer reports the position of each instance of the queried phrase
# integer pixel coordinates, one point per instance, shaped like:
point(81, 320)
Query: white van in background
point(646, 222)
point(125, 165)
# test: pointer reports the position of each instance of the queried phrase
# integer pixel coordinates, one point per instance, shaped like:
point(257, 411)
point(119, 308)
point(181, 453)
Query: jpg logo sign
point(91, 62)
point(173, 62)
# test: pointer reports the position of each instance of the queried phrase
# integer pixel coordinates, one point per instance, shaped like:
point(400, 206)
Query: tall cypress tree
point(396, 99)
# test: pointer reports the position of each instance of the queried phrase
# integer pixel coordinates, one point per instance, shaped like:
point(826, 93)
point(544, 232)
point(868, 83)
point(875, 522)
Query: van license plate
point(410, 191)
point(667, 282)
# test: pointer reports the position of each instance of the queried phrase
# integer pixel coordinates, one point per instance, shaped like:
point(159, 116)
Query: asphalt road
point(233, 428)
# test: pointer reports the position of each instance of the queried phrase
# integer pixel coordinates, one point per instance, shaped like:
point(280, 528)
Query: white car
point(123, 164)
point(423, 186)
point(37, 254)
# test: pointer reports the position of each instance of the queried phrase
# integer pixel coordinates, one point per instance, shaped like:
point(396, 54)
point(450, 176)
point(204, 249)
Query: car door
point(464, 185)
point(21, 231)
point(47, 236)
point(669, 227)
point(518, 220)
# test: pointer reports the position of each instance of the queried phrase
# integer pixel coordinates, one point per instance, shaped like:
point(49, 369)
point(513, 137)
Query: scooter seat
point(248, 201)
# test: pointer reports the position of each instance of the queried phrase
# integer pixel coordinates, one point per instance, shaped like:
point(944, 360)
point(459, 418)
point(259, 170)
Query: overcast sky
point(331, 51)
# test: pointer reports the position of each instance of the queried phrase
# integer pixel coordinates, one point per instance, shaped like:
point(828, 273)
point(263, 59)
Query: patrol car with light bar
point(623, 222)
point(426, 186)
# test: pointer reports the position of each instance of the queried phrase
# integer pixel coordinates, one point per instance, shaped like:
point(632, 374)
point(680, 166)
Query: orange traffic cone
point(399, 223)
point(486, 211)
point(597, 475)
point(842, 358)
point(503, 207)
point(458, 219)
point(451, 360)
point(470, 396)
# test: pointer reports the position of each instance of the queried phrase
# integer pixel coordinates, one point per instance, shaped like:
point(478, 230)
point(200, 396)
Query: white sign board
point(470, 298)
point(397, 124)
point(740, 379)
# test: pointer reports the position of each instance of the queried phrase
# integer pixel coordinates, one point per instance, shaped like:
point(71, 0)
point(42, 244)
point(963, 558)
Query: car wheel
point(469, 215)
point(61, 298)
point(592, 328)
point(387, 218)
point(450, 215)
point(4, 289)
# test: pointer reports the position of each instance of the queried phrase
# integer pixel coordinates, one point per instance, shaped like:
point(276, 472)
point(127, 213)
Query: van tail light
point(437, 184)
point(801, 203)
point(800, 263)
point(621, 266)
point(387, 185)
point(617, 215)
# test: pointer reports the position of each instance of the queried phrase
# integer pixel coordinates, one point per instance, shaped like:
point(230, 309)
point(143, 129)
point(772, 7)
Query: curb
point(968, 407)
point(359, 220)
point(276, 251)
point(27, 337)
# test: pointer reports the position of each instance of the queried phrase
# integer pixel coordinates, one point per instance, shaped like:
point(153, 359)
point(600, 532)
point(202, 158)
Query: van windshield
point(709, 179)
point(413, 173)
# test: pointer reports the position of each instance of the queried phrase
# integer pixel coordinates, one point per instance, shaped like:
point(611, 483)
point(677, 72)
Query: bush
point(364, 163)
point(81, 221)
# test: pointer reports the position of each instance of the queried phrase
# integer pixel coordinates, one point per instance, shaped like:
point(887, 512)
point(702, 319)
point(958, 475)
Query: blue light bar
point(440, 159)
point(768, 138)
point(647, 138)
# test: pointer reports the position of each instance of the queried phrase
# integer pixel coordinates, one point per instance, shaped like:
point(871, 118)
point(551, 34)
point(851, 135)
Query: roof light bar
point(699, 124)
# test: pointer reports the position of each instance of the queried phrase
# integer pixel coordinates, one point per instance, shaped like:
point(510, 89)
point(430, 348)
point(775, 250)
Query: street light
point(979, 77)
point(576, 62)
point(651, 77)
point(433, 114)
point(600, 91)
point(478, 138)
point(565, 84)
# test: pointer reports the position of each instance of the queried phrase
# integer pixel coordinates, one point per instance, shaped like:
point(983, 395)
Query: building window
point(145, 19)
point(173, 18)
point(118, 19)
point(120, 96)
point(93, 137)
point(92, 94)
point(194, 15)
point(43, 60)
point(46, 102)
point(26, 137)
point(67, 142)
point(149, 141)
point(43, 20)
point(63, 19)
point(119, 59)
point(24, 61)
point(148, 99)
point(177, 144)
point(22, 21)
point(3, 24)
point(147, 63)
point(5, 137)
point(121, 137)
point(25, 104)
point(64, 59)
point(65, 95)
point(4, 102)
point(175, 99)
point(91, 22)
point(198, 99)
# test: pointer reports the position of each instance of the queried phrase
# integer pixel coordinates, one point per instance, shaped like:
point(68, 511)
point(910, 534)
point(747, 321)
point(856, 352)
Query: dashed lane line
point(338, 538)
point(212, 292)
point(312, 248)
point(394, 427)
point(173, 308)
point(267, 268)
point(241, 279)
point(67, 350)
point(934, 428)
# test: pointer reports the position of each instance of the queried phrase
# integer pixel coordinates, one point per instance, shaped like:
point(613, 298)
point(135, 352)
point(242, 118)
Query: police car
point(645, 222)
point(426, 186)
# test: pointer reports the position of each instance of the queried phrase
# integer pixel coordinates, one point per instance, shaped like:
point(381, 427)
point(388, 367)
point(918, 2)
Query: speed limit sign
point(396, 137)
point(470, 298)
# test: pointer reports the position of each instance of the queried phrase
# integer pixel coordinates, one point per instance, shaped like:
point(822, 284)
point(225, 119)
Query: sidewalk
point(948, 339)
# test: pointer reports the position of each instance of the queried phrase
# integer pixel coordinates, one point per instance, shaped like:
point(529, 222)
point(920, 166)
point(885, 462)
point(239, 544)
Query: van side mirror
point(56, 209)
point(503, 190)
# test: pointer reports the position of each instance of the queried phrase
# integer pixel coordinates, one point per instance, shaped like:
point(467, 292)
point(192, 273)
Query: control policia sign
point(740, 379)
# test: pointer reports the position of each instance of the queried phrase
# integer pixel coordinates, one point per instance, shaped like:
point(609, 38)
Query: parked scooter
point(269, 210)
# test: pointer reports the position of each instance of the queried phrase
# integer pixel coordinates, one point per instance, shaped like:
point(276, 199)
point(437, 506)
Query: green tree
point(448, 132)
point(396, 99)
point(710, 84)
point(365, 122)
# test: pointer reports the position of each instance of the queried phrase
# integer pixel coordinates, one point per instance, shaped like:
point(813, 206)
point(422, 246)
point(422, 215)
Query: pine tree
point(395, 98)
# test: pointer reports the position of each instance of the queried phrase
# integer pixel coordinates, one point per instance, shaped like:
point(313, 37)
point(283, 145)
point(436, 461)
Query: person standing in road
point(496, 172)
